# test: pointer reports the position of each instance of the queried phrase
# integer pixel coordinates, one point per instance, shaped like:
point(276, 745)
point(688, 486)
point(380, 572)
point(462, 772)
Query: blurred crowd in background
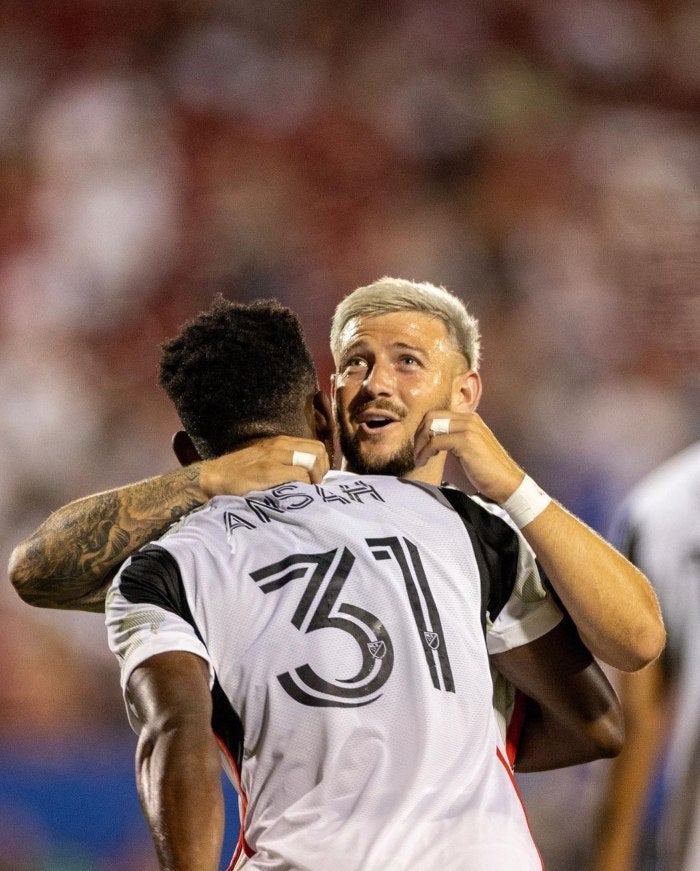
point(540, 158)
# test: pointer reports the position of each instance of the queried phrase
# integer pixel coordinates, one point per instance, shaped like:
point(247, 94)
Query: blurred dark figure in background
point(651, 819)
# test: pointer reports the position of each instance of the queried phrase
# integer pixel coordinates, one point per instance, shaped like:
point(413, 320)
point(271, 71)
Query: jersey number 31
point(325, 575)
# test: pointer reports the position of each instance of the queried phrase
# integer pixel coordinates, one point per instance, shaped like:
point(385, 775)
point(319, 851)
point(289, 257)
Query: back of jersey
point(343, 630)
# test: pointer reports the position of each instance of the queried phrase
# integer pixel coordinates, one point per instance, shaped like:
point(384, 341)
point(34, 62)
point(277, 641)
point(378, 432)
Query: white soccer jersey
point(658, 528)
point(342, 625)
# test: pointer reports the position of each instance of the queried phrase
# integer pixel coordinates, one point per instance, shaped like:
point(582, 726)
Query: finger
point(423, 435)
point(304, 458)
point(434, 423)
point(440, 425)
point(429, 448)
point(265, 464)
point(282, 446)
point(315, 463)
point(425, 448)
point(439, 433)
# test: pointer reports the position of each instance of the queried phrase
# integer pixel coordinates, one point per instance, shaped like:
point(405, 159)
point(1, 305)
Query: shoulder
point(487, 519)
point(152, 576)
point(670, 481)
point(506, 562)
point(199, 520)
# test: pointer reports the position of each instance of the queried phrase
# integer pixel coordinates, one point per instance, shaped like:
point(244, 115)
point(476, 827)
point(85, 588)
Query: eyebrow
point(360, 345)
point(404, 346)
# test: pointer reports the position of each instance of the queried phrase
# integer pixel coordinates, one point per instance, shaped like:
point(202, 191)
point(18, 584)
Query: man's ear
point(323, 422)
point(466, 391)
point(185, 451)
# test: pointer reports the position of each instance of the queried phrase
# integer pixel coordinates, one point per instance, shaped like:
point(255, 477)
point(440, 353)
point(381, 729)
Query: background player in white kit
point(658, 527)
point(374, 745)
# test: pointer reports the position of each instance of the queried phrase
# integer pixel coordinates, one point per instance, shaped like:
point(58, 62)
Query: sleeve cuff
point(539, 620)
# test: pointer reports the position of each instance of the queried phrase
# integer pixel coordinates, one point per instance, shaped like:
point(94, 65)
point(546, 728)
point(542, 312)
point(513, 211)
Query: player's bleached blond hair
point(387, 295)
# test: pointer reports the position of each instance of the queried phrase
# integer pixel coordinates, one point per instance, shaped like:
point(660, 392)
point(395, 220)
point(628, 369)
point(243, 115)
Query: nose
point(380, 380)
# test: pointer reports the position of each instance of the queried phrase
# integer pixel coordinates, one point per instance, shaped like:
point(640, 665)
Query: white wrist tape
point(528, 502)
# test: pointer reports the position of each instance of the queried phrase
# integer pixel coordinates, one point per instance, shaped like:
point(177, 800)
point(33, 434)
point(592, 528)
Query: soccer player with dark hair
point(329, 640)
point(406, 390)
point(234, 374)
point(70, 559)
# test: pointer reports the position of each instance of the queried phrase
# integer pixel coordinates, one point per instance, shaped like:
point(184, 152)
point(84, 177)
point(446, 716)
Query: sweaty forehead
point(417, 330)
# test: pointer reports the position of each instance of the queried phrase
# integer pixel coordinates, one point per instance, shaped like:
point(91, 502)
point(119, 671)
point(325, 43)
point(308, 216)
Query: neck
point(431, 473)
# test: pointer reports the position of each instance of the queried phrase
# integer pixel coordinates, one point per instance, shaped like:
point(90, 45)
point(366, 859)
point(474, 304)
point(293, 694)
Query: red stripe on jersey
point(504, 763)
point(515, 727)
point(242, 845)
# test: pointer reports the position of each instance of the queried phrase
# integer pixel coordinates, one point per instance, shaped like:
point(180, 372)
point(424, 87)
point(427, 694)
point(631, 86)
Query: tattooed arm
point(70, 560)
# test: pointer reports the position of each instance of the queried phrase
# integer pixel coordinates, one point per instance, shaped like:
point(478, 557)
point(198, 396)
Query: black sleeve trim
point(153, 577)
point(496, 548)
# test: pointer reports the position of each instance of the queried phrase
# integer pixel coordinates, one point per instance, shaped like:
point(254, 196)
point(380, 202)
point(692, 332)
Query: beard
point(400, 463)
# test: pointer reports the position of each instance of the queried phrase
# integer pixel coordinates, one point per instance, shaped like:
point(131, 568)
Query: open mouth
point(374, 424)
point(377, 422)
point(373, 419)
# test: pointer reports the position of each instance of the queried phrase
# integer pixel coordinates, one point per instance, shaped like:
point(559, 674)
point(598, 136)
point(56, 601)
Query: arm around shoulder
point(70, 560)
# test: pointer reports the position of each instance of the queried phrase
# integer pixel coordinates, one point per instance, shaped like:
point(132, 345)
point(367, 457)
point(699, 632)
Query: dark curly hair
point(237, 372)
